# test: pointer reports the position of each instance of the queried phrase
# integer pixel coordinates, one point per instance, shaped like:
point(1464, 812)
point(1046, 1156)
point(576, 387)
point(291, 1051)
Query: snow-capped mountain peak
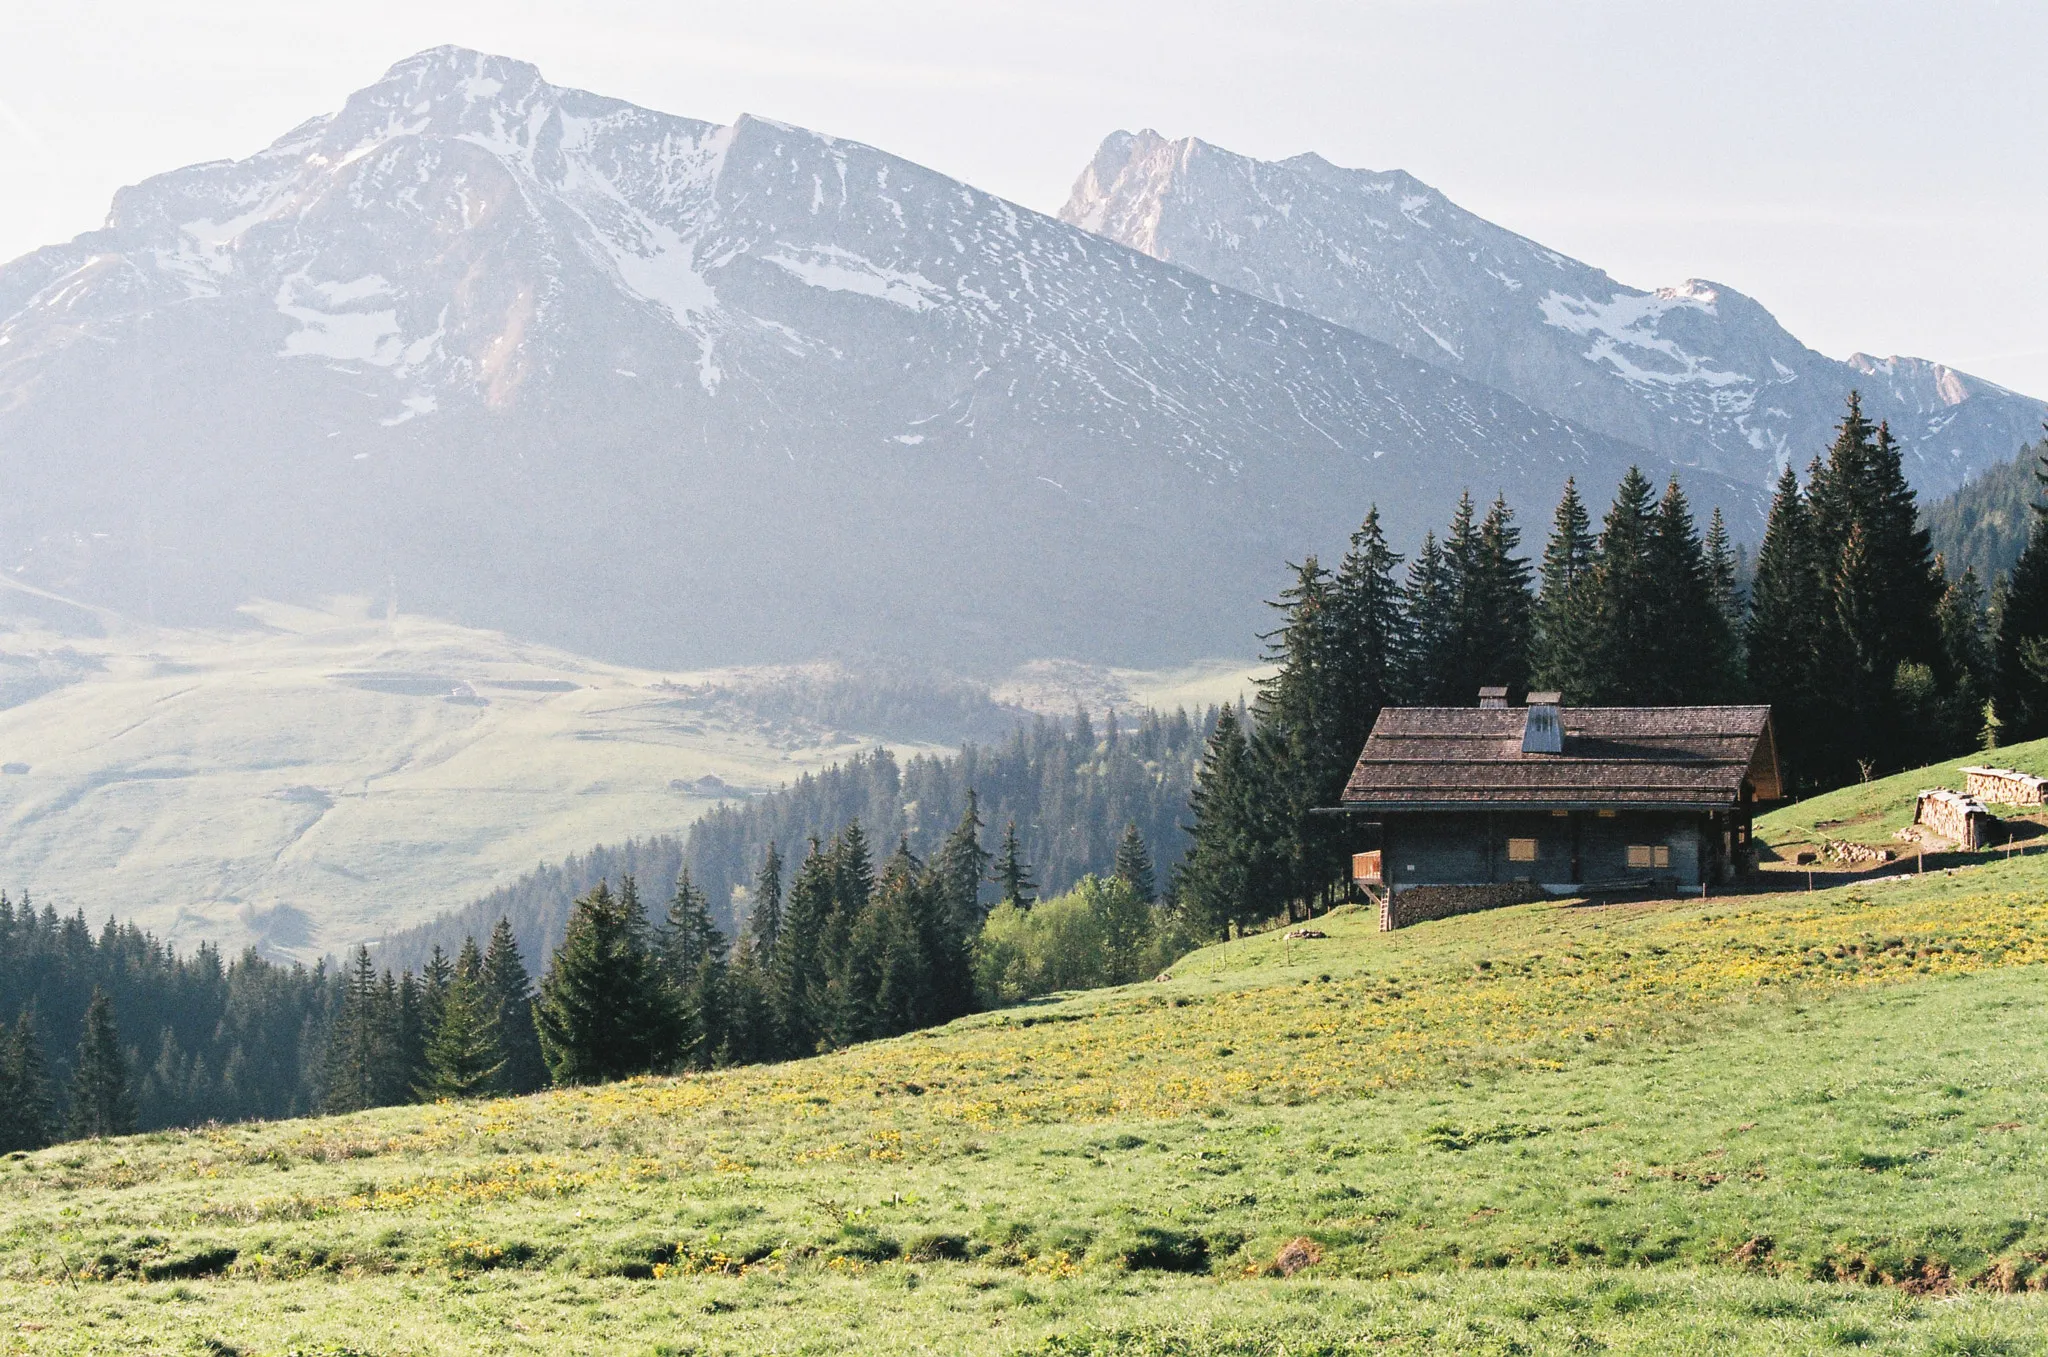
point(1699, 372)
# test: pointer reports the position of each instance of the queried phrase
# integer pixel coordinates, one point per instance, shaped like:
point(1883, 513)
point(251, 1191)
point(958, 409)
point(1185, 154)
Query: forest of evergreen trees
point(1871, 658)
point(1069, 786)
point(837, 948)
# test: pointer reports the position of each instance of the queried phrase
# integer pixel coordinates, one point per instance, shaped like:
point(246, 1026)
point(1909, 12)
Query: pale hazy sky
point(1872, 172)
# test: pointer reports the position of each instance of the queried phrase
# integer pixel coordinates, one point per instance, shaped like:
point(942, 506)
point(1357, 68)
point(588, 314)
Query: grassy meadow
point(1803, 1123)
point(1873, 812)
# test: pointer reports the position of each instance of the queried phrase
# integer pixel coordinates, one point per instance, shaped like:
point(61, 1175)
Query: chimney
point(1493, 697)
point(1543, 724)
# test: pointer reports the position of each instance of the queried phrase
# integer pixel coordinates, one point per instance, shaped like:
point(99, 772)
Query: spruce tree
point(693, 955)
point(362, 1044)
point(605, 1011)
point(25, 1118)
point(1433, 668)
point(1011, 873)
point(1369, 632)
point(1134, 863)
point(464, 1059)
point(1878, 565)
point(1498, 605)
point(796, 974)
point(101, 1104)
point(764, 920)
point(1787, 610)
point(1627, 663)
point(1299, 740)
point(1967, 646)
point(1699, 655)
point(505, 977)
point(1231, 874)
point(2020, 682)
point(961, 865)
point(1564, 621)
point(1723, 578)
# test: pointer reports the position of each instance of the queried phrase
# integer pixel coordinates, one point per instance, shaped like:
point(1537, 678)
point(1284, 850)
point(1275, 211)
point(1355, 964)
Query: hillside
point(1697, 373)
point(1873, 812)
point(1983, 524)
point(676, 393)
point(1656, 1128)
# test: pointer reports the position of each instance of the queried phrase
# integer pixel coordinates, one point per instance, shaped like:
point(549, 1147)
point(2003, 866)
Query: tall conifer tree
point(605, 1011)
point(25, 1118)
point(1134, 863)
point(1011, 874)
point(1787, 603)
point(1564, 618)
point(506, 978)
point(764, 921)
point(101, 1104)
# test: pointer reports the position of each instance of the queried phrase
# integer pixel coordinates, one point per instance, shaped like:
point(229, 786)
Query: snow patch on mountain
point(1681, 371)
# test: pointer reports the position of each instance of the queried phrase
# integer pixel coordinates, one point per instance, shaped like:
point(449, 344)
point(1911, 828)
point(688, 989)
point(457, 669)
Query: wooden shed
point(1563, 799)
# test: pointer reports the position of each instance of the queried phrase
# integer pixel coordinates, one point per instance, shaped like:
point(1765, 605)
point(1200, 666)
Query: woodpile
point(1960, 819)
point(2005, 786)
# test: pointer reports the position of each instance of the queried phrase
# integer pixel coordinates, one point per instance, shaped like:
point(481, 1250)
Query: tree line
point(1069, 786)
point(843, 950)
point(1870, 657)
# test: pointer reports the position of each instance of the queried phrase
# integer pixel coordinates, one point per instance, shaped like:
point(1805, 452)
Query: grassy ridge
point(1871, 812)
point(1455, 1138)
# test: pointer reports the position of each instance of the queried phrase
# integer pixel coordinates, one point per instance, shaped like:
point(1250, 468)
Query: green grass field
point(1871, 812)
point(1773, 1124)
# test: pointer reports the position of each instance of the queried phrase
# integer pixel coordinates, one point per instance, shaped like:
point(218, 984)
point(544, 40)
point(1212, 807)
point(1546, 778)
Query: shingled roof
point(1441, 758)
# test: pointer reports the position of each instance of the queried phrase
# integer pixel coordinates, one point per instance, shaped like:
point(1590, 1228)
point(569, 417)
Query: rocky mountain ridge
point(667, 391)
point(1699, 373)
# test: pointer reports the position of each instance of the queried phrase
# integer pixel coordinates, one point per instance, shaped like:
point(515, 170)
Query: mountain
point(1699, 373)
point(1984, 523)
point(665, 392)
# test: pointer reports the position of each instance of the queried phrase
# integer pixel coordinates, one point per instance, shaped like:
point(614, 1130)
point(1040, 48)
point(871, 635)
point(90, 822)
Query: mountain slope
point(667, 392)
point(1983, 524)
point(1699, 373)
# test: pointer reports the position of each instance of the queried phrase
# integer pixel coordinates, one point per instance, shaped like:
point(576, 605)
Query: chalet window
point(1607, 815)
point(1649, 855)
point(1521, 850)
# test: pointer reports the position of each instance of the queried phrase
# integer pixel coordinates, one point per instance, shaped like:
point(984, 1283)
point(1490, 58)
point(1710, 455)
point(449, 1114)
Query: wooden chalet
point(1562, 798)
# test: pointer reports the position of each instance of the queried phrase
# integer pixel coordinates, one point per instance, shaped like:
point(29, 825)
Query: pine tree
point(1967, 646)
point(693, 955)
point(961, 865)
point(505, 976)
point(796, 975)
point(1497, 604)
point(1565, 621)
point(362, 1045)
point(1433, 674)
point(25, 1120)
point(1231, 874)
point(100, 1101)
point(764, 921)
point(415, 1029)
point(1369, 632)
point(1787, 609)
point(1886, 595)
point(1297, 740)
point(605, 1011)
point(464, 1059)
point(1698, 658)
point(1134, 863)
point(1011, 873)
point(1628, 656)
point(1723, 578)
